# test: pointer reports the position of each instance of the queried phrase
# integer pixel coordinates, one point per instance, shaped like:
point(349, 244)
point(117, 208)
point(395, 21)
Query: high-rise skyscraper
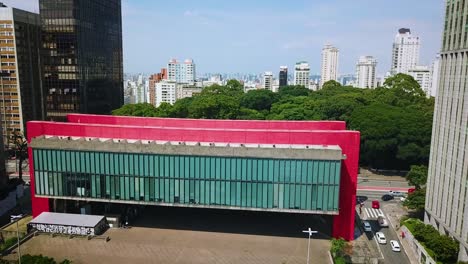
point(20, 90)
point(422, 74)
point(283, 76)
point(181, 72)
point(302, 74)
point(329, 64)
point(81, 56)
point(447, 183)
point(268, 81)
point(405, 53)
point(365, 72)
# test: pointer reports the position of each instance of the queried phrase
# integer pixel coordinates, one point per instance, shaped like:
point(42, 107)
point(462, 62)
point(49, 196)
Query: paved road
point(371, 215)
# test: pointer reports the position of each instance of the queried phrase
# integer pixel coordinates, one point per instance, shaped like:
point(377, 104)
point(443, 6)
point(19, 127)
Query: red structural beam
point(343, 224)
point(205, 123)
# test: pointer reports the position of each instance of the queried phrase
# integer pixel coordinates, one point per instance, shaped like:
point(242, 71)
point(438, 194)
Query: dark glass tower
point(283, 76)
point(81, 56)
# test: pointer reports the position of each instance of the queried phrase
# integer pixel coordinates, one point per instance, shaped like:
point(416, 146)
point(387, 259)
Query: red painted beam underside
point(261, 132)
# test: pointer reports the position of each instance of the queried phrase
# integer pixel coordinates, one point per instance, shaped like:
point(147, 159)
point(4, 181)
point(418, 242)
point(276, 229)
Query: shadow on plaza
point(234, 221)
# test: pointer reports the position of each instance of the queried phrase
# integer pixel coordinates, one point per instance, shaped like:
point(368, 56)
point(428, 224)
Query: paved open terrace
point(216, 236)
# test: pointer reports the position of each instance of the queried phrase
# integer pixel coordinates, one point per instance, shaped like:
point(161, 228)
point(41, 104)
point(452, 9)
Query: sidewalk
point(394, 214)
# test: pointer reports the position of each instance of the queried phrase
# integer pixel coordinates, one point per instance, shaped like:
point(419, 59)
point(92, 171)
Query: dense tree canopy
point(417, 176)
point(395, 120)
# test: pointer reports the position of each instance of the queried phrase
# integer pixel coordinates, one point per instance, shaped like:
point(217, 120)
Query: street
point(369, 191)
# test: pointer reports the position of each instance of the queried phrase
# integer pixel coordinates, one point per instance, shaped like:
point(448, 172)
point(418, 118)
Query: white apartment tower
point(268, 81)
point(165, 92)
point(329, 64)
point(422, 74)
point(447, 184)
point(405, 53)
point(365, 72)
point(302, 74)
point(181, 72)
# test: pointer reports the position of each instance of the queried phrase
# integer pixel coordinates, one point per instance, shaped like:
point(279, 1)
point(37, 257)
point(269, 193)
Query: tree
point(181, 107)
point(331, 84)
point(143, 109)
point(416, 200)
point(444, 247)
point(164, 110)
point(337, 246)
point(20, 146)
point(405, 87)
point(293, 90)
point(250, 114)
point(258, 99)
point(417, 176)
point(40, 259)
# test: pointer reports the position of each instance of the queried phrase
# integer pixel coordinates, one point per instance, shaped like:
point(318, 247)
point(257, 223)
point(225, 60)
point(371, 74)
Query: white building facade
point(435, 76)
point(405, 52)
point(422, 74)
point(366, 72)
point(181, 72)
point(302, 73)
point(446, 205)
point(165, 92)
point(329, 64)
point(268, 81)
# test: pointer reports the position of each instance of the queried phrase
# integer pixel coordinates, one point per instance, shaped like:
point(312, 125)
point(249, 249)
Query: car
point(375, 204)
point(395, 246)
point(367, 226)
point(387, 197)
point(383, 222)
point(396, 194)
point(381, 238)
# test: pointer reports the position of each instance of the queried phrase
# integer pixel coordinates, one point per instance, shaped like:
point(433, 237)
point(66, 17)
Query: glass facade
point(81, 56)
point(196, 180)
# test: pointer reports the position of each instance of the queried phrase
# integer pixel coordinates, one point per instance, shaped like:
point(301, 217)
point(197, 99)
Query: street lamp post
point(310, 232)
point(17, 218)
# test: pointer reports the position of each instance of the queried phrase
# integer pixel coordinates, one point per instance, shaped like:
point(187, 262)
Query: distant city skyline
point(243, 36)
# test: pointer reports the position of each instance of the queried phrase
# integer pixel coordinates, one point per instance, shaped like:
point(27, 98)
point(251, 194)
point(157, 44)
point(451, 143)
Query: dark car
point(387, 197)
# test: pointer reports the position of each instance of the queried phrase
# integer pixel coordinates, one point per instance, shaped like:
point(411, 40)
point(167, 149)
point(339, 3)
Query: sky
point(261, 35)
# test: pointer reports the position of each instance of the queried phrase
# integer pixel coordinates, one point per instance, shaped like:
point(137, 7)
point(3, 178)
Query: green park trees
point(395, 121)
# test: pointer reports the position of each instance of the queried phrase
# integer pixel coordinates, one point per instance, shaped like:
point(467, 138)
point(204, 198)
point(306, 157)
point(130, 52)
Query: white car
point(396, 194)
point(395, 245)
point(381, 238)
point(367, 226)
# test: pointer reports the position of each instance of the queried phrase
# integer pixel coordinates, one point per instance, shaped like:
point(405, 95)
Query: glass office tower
point(81, 56)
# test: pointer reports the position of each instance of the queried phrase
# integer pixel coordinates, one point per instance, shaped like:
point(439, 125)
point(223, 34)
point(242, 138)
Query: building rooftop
point(67, 219)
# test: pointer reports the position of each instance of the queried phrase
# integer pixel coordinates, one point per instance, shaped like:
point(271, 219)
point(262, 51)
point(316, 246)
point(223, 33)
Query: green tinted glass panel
point(201, 180)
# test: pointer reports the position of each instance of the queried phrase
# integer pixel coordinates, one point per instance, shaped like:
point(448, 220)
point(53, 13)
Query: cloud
point(191, 13)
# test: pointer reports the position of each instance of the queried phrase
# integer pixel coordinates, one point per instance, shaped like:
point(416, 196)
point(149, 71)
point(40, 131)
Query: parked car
point(395, 245)
point(396, 194)
point(387, 197)
point(411, 190)
point(381, 238)
point(375, 204)
point(367, 226)
point(383, 222)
